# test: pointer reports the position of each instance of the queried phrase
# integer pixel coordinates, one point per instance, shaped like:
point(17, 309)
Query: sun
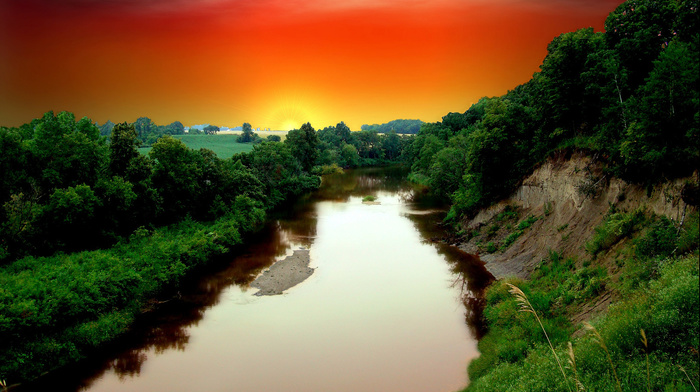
point(289, 124)
point(290, 109)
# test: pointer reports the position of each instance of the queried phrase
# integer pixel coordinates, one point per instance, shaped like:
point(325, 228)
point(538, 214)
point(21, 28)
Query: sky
point(273, 63)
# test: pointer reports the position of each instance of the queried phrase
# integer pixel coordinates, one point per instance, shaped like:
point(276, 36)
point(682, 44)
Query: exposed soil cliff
point(569, 196)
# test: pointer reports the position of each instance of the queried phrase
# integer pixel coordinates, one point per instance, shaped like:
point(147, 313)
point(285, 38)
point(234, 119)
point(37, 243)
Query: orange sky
point(272, 63)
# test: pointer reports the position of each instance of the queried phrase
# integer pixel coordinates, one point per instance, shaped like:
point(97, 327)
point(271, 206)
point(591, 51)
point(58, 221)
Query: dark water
point(387, 309)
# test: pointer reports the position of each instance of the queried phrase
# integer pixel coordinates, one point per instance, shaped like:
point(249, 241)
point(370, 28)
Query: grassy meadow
point(224, 146)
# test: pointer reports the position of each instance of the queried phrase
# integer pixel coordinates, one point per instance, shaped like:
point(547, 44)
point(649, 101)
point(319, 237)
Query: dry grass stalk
point(572, 362)
point(526, 306)
point(601, 343)
point(646, 351)
point(688, 377)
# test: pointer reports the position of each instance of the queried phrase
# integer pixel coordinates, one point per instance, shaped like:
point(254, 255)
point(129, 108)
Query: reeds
point(572, 363)
point(526, 306)
point(688, 377)
point(599, 339)
point(646, 351)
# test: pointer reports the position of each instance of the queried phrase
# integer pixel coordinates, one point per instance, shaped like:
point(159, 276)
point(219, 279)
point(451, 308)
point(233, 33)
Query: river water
point(386, 309)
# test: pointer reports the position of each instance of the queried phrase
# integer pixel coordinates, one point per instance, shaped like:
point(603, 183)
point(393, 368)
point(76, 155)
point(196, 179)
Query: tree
point(106, 129)
point(67, 153)
point(211, 130)
point(638, 31)
point(69, 219)
point(174, 176)
point(391, 144)
point(274, 138)
point(456, 121)
point(175, 128)
point(248, 135)
point(663, 138)
point(560, 89)
point(123, 148)
point(302, 143)
point(144, 127)
point(349, 156)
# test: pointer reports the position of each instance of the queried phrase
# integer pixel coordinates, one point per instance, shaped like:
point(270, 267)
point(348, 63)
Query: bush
point(613, 229)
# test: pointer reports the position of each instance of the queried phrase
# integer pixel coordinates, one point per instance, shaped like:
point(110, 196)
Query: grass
point(369, 198)
point(224, 146)
point(519, 230)
point(647, 340)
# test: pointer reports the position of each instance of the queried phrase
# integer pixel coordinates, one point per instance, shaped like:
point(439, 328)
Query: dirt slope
point(570, 196)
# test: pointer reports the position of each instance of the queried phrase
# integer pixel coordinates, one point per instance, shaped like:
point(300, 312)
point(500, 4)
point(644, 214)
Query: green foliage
point(211, 130)
point(398, 126)
point(303, 144)
point(148, 132)
point(663, 137)
point(660, 295)
point(123, 148)
point(628, 95)
point(248, 135)
point(519, 229)
point(57, 309)
point(613, 229)
point(658, 240)
point(327, 169)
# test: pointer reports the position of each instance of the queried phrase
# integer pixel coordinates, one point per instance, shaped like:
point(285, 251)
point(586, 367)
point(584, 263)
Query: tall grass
point(526, 306)
point(601, 342)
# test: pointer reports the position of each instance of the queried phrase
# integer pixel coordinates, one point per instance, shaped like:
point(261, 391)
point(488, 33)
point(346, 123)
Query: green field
point(224, 146)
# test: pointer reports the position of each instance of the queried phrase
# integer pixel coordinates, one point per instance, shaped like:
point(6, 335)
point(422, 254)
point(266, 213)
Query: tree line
point(628, 95)
point(398, 126)
point(65, 187)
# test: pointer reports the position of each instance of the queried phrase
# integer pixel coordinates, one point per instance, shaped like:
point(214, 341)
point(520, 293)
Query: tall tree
point(248, 135)
point(123, 148)
point(303, 143)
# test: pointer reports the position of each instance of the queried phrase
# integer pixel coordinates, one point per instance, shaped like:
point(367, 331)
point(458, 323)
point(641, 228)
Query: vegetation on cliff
point(628, 96)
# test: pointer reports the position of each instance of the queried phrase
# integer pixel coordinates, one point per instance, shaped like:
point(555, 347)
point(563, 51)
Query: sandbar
point(284, 274)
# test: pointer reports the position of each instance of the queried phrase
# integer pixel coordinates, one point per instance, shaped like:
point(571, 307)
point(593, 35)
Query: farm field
point(224, 146)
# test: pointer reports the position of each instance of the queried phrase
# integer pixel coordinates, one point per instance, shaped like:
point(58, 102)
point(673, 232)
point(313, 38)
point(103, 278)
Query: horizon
point(270, 64)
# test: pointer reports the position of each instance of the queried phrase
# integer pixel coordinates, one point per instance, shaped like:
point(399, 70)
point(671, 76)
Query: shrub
point(613, 229)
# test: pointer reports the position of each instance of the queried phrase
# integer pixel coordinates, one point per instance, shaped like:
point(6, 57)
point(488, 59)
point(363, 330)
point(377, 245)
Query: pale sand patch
point(284, 274)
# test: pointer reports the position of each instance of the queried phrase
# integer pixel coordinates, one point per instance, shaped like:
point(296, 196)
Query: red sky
point(272, 63)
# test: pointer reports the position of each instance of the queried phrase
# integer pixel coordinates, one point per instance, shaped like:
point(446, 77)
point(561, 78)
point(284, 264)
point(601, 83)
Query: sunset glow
point(226, 62)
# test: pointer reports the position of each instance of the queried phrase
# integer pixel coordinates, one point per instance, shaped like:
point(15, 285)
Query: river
point(387, 308)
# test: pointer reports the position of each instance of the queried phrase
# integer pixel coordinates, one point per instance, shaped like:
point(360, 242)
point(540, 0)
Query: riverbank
point(57, 310)
point(583, 247)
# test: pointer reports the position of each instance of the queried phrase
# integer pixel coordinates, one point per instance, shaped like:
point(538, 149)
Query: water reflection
point(169, 326)
point(470, 276)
